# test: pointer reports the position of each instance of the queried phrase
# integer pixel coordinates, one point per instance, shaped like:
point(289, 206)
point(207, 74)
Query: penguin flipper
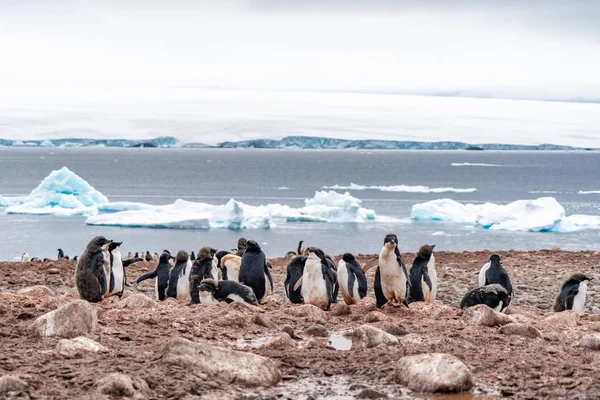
point(351, 279)
point(328, 276)
point(570, 299)
point(426, 290)
point(268, 273)
point(298, 284)
point(362, 284)
point(127, 263)
point(381, 299)
point(149, 275)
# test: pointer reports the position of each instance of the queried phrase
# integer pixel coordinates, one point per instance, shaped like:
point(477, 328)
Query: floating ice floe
point(544, 214)
point(61, 193)
point(401, 188)
point(468, 164)
point(589, 192)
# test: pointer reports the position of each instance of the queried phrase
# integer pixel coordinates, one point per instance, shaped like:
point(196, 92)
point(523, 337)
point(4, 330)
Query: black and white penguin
point(317, 280)
point(352, 281)
point(254, 271)
point(241, 246)
point(392, 283)
point(294, 272)
point(423, 276)
point(201, 269)
point(90, 272)
point(572, 293)
point(229, 265)
point(116, 281)
point(179, 281)
point(493, 272)
point(493, 296)
point(192, 256)
point(162, 274)
point(25, 258)
point(61, 255)
point(212, 292)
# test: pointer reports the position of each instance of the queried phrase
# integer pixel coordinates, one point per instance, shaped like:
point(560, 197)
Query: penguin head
point(390, 241)
point(316, 253)
point(182, 256)
point(579, 278)
point(213, 251)
point(98, 243)
point(205, 253)
point(114, 245)
point(165, 258)
point(495, 259)
point(426, 251)
point(208, 285)
point(348, 257)
point(242, 243)
point(252, 246)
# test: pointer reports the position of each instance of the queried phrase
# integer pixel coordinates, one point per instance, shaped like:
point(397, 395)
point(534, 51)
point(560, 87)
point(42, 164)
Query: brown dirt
point(550, 367)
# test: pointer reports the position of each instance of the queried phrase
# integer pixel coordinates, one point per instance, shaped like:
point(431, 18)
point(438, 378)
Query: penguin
point(290, 254)
point(25, 258)
point(61, 254)
point(493, 296)
point(126, 263)
point(317, 280)
point(212, 292)
point(352, 281)
point(392, 283)
point(137, 255)
point(294, 272)
point(333, 268)
point(192, 255)
point(201, 269)
point(90, 272)
point(572, 293)
point(162, 274)
point(129, 255)
point(155, 258)
point(229, 265)
point(423, 276)
point(493, 272)
point(179, 280)
point(301, 248)
point(254, 271)
point(75, 258)
point(116, 273)
point(241, 246)
point(149, 256)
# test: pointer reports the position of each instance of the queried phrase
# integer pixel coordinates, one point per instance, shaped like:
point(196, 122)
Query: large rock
point(591, 342)
point(341, 309)
point(263, 320)
point(137, 301)
point(368, 336)
point(317, 330)
point(73, 319)
point(10, 383)
point(375, 316)
point(434, 372)
point(221, 363)
point(521, 330)
point(70, 348)
point(481, 314)
point(312, 313)
point(564, 319)
point(119, 386)
point(36, 291)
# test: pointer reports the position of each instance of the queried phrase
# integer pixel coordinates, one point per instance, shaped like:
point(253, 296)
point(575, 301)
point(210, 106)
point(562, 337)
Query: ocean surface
point(288, 177)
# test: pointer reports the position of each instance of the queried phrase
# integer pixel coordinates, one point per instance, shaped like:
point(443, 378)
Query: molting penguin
point(492, 272)
point(493, 296)
point(294, 272)
point(148, 256)
point(572, 293)
point(116, 284)
point(25, 258)
point(90, 272)
point(352, 281)
point(212, 292)
point(317, 280)
point(241, 246)
point(201, 269)
point(423, 276)
point(391, 278)
point(254, 271)
point(179, 281)
point(162, 274)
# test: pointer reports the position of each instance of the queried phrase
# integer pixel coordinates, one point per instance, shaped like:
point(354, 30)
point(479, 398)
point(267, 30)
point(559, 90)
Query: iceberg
point(401, 188)
point(544, 214)
point(62, 192)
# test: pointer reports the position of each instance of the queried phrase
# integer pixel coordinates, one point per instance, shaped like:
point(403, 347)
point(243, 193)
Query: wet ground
point(319, 364)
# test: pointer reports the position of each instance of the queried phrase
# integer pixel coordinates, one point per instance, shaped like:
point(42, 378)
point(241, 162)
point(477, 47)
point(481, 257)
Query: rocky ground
point(530, 354)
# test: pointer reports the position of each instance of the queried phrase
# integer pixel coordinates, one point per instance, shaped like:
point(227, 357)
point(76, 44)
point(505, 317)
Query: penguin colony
point(243, 275)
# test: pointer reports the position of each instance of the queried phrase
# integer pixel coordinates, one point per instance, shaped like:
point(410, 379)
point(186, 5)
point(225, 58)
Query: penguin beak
point(432, 246)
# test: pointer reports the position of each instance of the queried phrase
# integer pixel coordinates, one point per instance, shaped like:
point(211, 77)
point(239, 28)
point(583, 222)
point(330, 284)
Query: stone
point(73, 319)
point(317, 330)
point(224, 364)
point(312, 313)
point(369, 393)
point(519, 329)
point(396, 329)
point(117, 385)
point(591, 342)
point(126, 294)
point(367, 336)
point(375, 316)
point(281, 341)
point(564, 319)
point(341, 309)
point(10, 383)
point(481, 314)
point(264, 321)
point(289, 330)
point(137, 301)
point(36, 291)
point(80, 345)
point(595, 310)
point(368, 303)
point(434, 372)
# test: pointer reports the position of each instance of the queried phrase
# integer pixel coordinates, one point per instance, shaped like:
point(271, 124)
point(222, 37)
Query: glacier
point(61, 193)
point(543, 214)
point(401, 188)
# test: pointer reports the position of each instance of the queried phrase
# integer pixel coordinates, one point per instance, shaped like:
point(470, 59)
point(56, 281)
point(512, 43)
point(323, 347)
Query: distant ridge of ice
point(468, 164)
point(589, 192)
point(401, 188)
point(544, 214)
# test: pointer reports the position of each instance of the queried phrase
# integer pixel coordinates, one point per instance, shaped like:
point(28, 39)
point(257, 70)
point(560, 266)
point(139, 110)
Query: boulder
point(317, 330)
point(70, 348)
point(117, 386)
point(10, 383)
point(228, 365)
point(591, 342)
point(375, 316)
point(312, 313)
point(73, 319)
point(434, 372)
point(281, 341)
point(137, 301)
point(519, 329)
point(481, 314)
point(341, 309)
point(367, 336)
point(36, 291)
point(564, 319)
point(263, 320)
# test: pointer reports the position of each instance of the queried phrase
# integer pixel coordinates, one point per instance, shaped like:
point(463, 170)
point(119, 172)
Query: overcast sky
point(516, 49)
